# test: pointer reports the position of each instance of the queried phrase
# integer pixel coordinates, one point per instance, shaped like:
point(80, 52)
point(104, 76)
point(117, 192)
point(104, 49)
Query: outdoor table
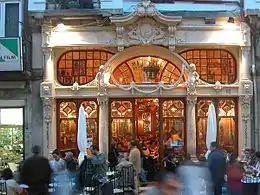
point(250, 185)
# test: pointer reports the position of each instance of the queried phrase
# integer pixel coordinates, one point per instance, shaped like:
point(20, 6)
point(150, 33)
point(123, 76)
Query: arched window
point(133, 70)
point(80, 66)
point(212, 64)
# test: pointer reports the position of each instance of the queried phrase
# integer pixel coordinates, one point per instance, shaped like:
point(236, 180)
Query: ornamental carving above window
point(213, 64)
point(80, 66)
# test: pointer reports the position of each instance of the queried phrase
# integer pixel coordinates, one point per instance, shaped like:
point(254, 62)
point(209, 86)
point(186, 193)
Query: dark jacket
point(36, 173)
point(71, 165)
point(217, 165)
point(113, 157)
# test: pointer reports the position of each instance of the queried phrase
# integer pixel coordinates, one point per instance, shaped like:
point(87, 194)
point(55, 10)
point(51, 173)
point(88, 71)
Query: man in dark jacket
point(217, 167)
point(36, 173)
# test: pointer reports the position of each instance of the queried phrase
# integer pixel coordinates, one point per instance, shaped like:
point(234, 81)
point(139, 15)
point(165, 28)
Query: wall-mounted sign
point(10, 54)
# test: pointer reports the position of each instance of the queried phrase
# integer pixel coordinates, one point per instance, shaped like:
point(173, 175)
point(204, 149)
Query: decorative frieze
point(193, 80)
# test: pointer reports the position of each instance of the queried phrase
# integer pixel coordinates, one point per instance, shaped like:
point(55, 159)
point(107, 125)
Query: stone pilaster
point(48, 64)
point(245, 132)
point(191, 124)
point(103, 124)
point(245, 67)
point(47, 100)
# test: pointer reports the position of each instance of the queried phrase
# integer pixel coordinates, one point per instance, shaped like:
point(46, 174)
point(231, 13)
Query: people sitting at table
point(58, 165)
point(12, 186)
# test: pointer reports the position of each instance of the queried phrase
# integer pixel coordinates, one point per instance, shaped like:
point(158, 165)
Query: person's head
point(232, 158)
point(7, 174)
point(94, 149)
point(36, 150)
point(213, 146)
point(56, 154)
point(257, 154)
point(132, 144)
point(69, 155)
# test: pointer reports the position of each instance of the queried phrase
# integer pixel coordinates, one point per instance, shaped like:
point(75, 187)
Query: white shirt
point(58, 165)
point(12, 187)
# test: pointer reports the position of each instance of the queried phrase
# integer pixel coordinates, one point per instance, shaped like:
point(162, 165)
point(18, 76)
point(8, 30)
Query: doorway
point(150, 120)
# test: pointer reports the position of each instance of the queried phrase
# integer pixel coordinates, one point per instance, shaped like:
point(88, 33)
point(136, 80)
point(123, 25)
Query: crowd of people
point(181, 174)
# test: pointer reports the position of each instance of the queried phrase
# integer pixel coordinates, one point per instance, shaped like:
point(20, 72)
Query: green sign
point(10, 58)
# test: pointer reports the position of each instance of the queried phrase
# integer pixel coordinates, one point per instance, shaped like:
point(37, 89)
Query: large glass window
point(145, 69)
point(226, 124)
point(12, 20)
point(68, 119)
point(11, 136)
point(122, 123)
point(80, 66)
point(212, 64)
point(173, 120)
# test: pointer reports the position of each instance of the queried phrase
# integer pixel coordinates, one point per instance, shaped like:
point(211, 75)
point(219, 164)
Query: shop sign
point(10, 58)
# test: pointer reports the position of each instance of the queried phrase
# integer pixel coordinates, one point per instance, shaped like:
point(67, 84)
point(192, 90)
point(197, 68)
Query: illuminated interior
point(133, 70)
point(139, 119)
point(212, 64)
point(68, 119)
point(80, 66)
point(226, 124)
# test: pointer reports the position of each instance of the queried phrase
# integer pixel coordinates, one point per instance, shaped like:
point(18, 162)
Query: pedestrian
point(36, 173)
point(135, 156)
point(12, 186)
point(234, 176)
point(217, 168)
point(98, 160)
point(113, 156)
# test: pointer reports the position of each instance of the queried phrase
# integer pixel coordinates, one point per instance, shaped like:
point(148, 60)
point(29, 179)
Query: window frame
point(216, 101)
point(2, 17)
point(213, 49)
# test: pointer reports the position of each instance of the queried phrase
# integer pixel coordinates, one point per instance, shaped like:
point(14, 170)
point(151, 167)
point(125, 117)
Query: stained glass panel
point(133, 70)
point(68, 110)
point(121, 109)
point(173, 108)
point(213, 64)
point(80, 66)
point(67, 134)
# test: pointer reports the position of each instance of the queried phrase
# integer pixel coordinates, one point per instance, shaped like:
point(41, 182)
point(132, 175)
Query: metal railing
point(72, 4)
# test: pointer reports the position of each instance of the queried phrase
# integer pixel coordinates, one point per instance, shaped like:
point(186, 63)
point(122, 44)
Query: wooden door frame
point(215, 101)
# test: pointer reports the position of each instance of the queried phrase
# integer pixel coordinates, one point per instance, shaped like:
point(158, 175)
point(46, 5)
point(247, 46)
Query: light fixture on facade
point(61, 27)
point(151, 66)
point(231, 20)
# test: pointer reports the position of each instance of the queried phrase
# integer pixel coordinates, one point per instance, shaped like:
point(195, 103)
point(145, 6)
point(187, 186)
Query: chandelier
point(151, 66)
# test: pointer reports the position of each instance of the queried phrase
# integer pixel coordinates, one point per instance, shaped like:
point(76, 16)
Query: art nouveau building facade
point(160, 73)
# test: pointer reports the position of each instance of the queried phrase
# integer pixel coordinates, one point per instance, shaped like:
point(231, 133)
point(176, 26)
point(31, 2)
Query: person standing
point(36, 173)
point(12, 186)
point(135, 156)
point(217, 168)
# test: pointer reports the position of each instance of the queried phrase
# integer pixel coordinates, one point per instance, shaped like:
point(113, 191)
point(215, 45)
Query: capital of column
point(46, 90)
point(46, 51)
point(102, 100)
point(245, 49)
point(191, 100)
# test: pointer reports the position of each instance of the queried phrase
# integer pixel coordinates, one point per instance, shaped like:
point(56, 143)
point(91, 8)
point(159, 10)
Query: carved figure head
point(102, 68)
point(192, 67)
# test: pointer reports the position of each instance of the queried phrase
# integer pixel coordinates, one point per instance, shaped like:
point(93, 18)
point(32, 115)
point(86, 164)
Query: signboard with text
point(10, 54)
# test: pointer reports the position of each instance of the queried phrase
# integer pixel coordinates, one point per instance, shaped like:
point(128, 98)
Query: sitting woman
point(11, 185)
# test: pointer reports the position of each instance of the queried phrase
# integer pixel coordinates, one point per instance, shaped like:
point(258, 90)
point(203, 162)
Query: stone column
point(47, 100)
point(103, 124)
point(191, 124)
point(245, 66)
point(245, 96)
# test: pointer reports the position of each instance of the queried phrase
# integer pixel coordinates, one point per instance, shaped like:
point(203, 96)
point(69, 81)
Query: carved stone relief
point(193, 80)
point(146, 31)
point(146, 25)
point(46, 89)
